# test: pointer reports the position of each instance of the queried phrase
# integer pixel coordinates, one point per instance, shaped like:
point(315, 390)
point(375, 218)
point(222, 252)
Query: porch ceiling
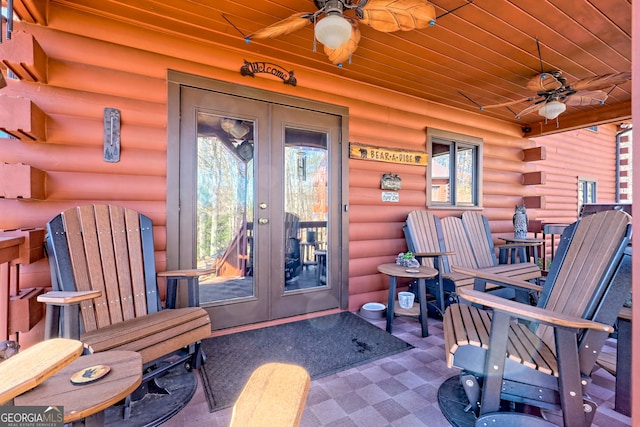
point(483, 53)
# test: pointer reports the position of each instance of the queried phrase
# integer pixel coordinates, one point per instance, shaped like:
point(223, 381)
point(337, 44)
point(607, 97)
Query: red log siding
point(95, 63)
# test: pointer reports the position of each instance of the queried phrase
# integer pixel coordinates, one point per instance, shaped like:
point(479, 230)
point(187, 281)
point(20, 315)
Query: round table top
point(34, 365)
point(396, 270)
point(81, 401)
point(521, 240)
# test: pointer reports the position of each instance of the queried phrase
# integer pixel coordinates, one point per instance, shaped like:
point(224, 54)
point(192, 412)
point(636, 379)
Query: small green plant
point(407, 255)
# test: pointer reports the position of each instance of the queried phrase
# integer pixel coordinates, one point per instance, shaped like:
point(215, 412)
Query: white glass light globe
point(333, 31)
point(552, 109)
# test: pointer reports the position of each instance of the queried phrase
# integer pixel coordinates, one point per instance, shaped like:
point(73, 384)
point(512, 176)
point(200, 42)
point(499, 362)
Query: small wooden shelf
point(22, 119)
point(534, 178)
point(534, 154)
point(25, 310)
point(535, 202)
point(33, 11)
point(414, 311)
point(24, 57)
point(20, 181)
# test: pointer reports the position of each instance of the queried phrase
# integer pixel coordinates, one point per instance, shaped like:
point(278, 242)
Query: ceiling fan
point(554, 93)
point(338, 29)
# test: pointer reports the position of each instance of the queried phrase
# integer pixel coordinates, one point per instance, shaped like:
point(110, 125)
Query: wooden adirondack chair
point(477, 227)
point(548, 361)
point(102, 265)
point(481, 244)
point(443, 243)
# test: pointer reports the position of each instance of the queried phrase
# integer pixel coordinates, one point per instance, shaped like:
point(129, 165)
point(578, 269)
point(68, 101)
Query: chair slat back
point(100, 247)
point(423, 237)
point(291, 226)
point(587, 266)
point(477, 227)
point(455, 239)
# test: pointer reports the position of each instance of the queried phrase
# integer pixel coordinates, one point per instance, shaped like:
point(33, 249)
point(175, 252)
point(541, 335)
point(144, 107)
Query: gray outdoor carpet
point(322, 345)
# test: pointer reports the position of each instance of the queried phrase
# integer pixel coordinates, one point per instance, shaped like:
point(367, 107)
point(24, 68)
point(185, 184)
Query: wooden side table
point(523, 247)
point(421, 273)
point(89, 400)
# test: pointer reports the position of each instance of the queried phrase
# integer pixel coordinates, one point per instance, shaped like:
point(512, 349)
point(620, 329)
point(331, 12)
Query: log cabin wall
point(96, 63)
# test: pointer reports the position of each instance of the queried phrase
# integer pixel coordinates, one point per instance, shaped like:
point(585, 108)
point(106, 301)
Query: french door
point(260, 187)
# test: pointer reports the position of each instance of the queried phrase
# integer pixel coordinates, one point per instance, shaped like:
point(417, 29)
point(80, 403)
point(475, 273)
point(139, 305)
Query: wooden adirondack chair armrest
point(498, 279)
point(517, 245)
point(68, 297)
point(625, 313)
point(192, 276)
point(432, 254)
point(527, 312)
point(194, 272)
point(66, 303)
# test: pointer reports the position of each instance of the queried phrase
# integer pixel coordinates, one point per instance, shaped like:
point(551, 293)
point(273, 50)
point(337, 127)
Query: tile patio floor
point(400, 390)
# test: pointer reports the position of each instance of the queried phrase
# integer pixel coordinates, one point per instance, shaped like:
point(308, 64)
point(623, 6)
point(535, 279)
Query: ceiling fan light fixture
point(552, 109)
point(333, 30)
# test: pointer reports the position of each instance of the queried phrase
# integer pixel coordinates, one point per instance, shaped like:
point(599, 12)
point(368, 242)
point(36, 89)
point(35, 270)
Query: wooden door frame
point(182, 255)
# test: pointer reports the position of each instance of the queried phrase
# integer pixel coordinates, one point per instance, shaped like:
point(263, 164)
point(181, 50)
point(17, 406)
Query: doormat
point(322, 345)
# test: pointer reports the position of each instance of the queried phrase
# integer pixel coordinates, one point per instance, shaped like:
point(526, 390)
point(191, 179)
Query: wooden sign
point(389, 155)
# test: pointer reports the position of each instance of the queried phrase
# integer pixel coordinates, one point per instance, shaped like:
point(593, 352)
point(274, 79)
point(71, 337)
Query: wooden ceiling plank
point(486, 49)
point(554, 46)
point(600, 36)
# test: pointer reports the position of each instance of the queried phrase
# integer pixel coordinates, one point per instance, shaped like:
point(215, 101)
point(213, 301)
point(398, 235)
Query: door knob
point(263, 205)
point(263, 221)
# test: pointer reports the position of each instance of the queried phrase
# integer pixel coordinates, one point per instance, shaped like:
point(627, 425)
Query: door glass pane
point(224, 223)
point(306, 209)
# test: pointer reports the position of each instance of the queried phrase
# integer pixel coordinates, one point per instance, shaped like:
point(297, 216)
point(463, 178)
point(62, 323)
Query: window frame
point(582, 189)
point(455, 141)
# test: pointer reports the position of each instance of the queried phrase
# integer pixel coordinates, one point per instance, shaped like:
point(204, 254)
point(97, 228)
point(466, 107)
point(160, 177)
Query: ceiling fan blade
point(342, 53)
point(295, 22)
point(531, 109)
point(394, 15)
point(601, 82)
point(587, 98)
point(544, 82)
point(508, 103)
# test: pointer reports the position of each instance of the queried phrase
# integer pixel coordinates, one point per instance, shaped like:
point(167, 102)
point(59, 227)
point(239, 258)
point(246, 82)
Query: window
point(586, 192)
point(454, 170)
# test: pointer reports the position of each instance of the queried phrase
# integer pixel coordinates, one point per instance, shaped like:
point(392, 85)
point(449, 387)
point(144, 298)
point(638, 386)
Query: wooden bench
point(274, 396)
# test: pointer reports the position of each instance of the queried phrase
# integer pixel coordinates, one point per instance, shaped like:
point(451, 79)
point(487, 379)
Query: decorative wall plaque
point(253, 68)
point(390, 155)
point(390, 181)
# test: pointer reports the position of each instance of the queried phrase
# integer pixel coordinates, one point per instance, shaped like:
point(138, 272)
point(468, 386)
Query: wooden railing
point(236, 259)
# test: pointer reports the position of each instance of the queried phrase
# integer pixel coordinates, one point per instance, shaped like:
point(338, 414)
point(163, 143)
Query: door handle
point(263, 221)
